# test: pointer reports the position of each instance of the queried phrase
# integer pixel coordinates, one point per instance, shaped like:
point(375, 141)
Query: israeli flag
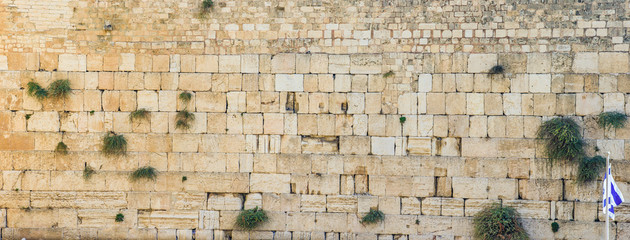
point(615, 198)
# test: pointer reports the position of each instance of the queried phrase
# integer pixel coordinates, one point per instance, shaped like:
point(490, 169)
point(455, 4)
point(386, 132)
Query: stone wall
point(295, 112)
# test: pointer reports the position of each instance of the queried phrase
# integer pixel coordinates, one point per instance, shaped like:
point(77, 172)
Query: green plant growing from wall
point(61, 149)
point(373, 216)
point(207, 5)
point(36, 91)
point(496, 222)
point(497, 69)
point(184, 178)
point(185, 97)
point(562, 139)
point(59, 89)
point(147, 172)
point(114, 145)
point(251, 218)
point(183, 120)
point(608, 120)
point(590, 168)
point(88, 172)
point(555, 226)
point(402, 120)
point(119, 217)
point(389, 74)
point(140, 114)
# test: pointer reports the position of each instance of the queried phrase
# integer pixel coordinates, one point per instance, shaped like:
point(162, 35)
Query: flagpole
point(607, 180)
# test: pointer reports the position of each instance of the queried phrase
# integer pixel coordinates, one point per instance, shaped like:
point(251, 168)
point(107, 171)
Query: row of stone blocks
point(580, 62)
point(140, 224)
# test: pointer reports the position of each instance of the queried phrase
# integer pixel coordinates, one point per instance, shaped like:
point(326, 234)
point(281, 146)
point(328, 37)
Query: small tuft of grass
point(251, 218)
point(562, 139)
point(183, 120)
point(61, 148)
point(590, 168)
point(374, 216)
point(140, 114)
point(555, 226)
point(389, 74)
point(88, 172)
point(119, 217)
point(614, 120)
point(207, 5)
point(185, 97)
point(36, 91)
point(184, 178)
point(92, 112)
point(147, 172)
point(60, 89)
point(496, 222)
point(402, 119)
point(497, 69)
point(28, 116)
point(114, 144)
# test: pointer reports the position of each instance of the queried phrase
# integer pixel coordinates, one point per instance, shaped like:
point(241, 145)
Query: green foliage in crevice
point(562, 139)
point(251, 218)
point(496, 222)
point(608, 120)
point(374, 216)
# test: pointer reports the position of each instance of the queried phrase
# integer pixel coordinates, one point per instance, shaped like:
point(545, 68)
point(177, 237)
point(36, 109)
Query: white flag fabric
point(615, 198)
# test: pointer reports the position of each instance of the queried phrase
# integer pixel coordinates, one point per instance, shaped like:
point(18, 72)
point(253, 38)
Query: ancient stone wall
point(298, 108)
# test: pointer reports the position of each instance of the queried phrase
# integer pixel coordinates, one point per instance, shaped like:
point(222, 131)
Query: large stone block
point(365, 63)
point(481, 63)
point(277, 183)
point(289, 82)
point(586, 62)
point(383, 145)
point(72, 62)
point(613, 62)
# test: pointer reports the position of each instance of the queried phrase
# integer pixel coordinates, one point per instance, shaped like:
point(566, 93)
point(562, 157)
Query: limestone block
point(249, 63)
point(320, 144)
point(383, 145)
point(365, 63)
point(289, 82)
point(319, 63)
point(453, 207)
point(586, 211)
point(470, 187)
point(4, 65)
point(229, 63)
point(302, 63)
point(614, 102)
point(218, 182)
point(127, 62)
point(161, 63)
point(588, 104)
point(338, 63)
point(419, 146)
point(14, 199)
point(538, 62)
point(202, 63)
point(180, 219)
point(410, 205)
point(474, 206)
point(224, 202)
point(72, 62)
point(313, 203)
point(43, 122)
point(481, 63)
point(283, 63)
point(431, 206)
point(300, 221)
point(354, 145)
point(586, 62)
point(195, 81)
point(341, 203)
point(278, 183)
point(540, 83)
point(148, 100)
point(503, 188)
point(211, 102)
point(613, 62)
point(331, 222)
point(425, 82)
point(530, 209)
point(458, 126)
